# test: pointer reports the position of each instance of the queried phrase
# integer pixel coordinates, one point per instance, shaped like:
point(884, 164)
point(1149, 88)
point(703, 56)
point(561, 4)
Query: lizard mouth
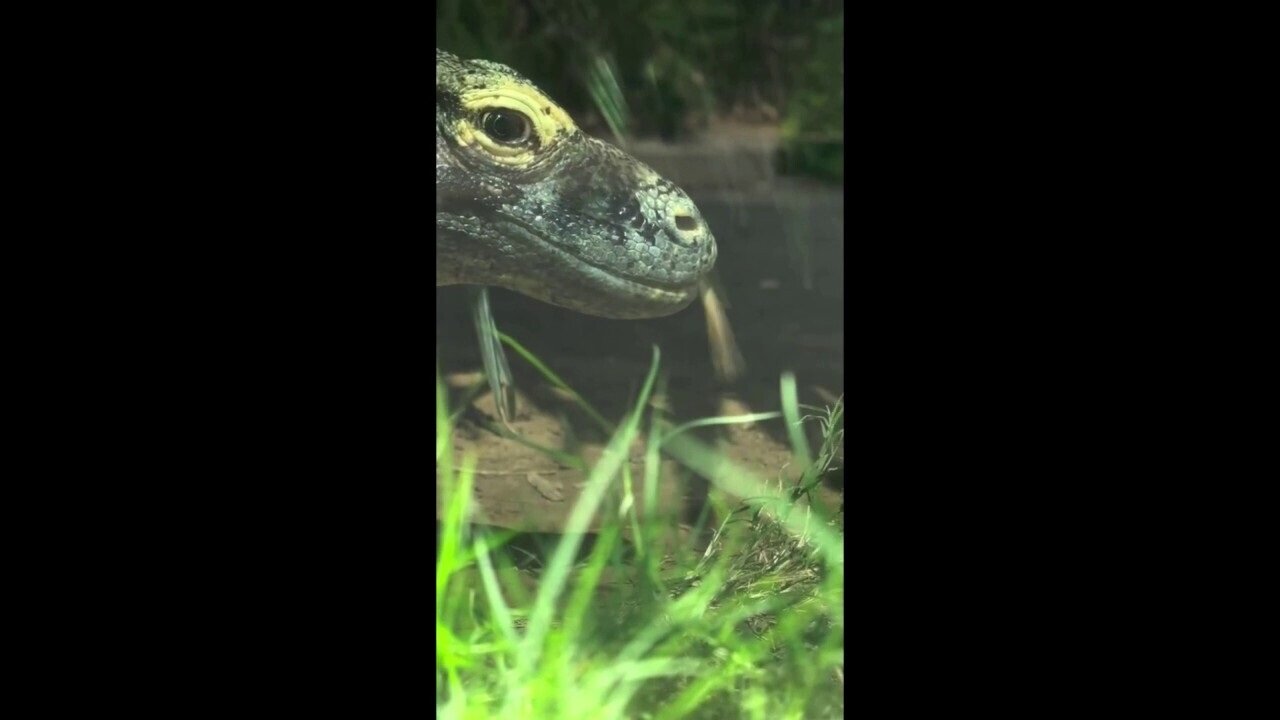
point(677, 289)
point(599, 290)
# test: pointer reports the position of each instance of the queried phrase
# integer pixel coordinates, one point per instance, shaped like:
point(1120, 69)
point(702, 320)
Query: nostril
point(686, 223)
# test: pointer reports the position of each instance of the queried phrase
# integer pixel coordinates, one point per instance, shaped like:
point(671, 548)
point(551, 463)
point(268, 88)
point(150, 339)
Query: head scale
point(527, 201)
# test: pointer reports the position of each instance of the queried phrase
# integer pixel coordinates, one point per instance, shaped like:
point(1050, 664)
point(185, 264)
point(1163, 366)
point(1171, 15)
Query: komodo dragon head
point(527, 201)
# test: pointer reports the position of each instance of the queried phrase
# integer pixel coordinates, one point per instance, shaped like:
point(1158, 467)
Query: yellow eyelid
point(547, 118)
point(512, 155)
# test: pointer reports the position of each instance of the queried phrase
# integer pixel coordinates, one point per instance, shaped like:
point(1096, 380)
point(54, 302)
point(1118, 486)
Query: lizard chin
point(568, 281)
point(524, 263)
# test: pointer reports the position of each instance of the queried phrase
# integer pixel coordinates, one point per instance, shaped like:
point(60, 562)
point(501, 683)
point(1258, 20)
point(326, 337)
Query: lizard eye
point(506, 126)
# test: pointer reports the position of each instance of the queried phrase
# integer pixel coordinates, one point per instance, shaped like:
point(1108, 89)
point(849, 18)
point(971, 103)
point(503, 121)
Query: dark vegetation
point(668, 68)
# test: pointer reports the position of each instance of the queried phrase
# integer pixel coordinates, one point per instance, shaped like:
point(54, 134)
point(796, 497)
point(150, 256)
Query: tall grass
point(749, 626)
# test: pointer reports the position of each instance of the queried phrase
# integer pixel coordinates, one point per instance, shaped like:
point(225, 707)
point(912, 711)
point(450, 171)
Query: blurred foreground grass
point(624, 623)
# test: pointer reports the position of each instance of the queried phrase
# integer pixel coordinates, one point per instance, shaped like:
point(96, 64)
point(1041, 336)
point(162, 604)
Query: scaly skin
point(526, 201)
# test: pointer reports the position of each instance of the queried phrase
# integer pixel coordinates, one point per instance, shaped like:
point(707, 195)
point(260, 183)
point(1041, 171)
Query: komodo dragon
point(528, 202)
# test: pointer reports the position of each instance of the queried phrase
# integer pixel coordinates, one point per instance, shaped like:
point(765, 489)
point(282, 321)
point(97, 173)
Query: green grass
point(625, 623)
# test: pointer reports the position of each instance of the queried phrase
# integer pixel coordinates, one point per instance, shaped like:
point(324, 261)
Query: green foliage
point(751, 627)
point(813, 131)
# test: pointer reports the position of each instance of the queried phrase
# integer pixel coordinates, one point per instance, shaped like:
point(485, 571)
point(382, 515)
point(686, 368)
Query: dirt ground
point(782, 267)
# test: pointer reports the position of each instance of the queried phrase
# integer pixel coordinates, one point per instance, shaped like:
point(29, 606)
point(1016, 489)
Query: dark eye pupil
point(507, 127)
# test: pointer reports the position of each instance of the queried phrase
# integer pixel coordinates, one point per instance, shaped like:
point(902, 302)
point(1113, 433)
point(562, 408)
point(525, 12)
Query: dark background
point(667, 68)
